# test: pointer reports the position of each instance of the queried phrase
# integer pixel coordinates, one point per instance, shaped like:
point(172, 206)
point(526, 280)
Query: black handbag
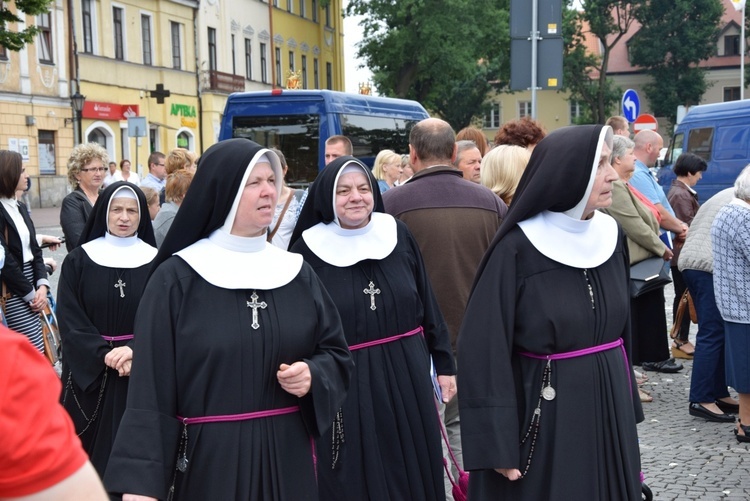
point(648, 275)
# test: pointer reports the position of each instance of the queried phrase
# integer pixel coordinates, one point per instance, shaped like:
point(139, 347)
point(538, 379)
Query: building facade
point(155, 75)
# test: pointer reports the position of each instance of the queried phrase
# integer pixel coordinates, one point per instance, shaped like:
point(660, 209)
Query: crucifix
point(254, 304)
point(371, 291)
point(120, 285)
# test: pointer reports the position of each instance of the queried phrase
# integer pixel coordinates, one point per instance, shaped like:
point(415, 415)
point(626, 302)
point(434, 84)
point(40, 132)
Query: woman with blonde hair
point(86, 170)
point(502, 168)
point(180, 158)
point(387, 169)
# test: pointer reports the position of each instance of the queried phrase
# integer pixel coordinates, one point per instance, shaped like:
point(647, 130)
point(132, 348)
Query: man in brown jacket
point(453, 221)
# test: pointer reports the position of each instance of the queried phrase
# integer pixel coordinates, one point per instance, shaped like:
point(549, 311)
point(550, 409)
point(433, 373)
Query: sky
point(353, 75)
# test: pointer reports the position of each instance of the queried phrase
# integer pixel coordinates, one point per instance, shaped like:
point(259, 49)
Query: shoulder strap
point(281, 216)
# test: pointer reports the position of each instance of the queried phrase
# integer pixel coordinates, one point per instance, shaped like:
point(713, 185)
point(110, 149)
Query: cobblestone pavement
point(683, 458)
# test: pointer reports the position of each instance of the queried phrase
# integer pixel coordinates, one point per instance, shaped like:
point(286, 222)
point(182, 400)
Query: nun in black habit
point(100, 286)
point(549, 403)
point(240, 357)
point(385, 441)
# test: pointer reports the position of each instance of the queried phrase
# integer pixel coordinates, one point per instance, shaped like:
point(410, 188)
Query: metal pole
point(534, 56)
point(742, 57)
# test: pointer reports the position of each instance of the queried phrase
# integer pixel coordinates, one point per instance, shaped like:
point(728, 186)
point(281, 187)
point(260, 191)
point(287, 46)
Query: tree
point(585, 74)
point(16, 40)
point(674, 37)
point(441, 53)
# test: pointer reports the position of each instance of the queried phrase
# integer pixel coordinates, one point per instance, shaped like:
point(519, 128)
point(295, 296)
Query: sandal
point(645, 397)
point(678, 349)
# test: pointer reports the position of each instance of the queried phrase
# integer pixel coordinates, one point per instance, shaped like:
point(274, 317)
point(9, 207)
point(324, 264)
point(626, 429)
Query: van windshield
point(295, 135)
point(370, 135)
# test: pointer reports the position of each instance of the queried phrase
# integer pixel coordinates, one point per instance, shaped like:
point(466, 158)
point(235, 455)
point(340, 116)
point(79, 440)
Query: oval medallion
point(549, 393)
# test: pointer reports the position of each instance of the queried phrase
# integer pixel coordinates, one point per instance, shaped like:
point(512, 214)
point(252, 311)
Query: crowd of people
point(227, 336)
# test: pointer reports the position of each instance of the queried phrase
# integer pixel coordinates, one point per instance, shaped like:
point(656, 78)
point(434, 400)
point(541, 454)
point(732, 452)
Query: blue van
point(298, 122)
point(720, 134)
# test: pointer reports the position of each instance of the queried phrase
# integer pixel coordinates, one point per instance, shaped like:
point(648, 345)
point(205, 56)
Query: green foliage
point(446, 54)
point(675, 36)
point(16, 40)
point(585, 74)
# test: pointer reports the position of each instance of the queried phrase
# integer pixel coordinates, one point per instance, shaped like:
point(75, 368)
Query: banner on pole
point(738, 4)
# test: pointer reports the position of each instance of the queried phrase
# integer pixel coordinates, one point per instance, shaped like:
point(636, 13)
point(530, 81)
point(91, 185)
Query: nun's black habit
point(386, 443)
point(200, 353)
point(90, 306)
point(551, 283)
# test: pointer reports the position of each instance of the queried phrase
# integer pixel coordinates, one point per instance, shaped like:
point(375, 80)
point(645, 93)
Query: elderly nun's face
point(354, 201)
point(123, 218)
point(257, 204)
point(601, 193)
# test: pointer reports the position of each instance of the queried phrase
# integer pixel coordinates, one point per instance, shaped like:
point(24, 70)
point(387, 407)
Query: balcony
point(225, 82)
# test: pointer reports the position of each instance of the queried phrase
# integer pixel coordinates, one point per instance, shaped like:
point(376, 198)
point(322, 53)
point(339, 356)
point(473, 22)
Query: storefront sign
point(109, 111)
point(189, 122)
point(182, 110)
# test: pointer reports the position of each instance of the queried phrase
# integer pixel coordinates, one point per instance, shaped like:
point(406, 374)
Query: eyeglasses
point(95, 169)
point(162, 165)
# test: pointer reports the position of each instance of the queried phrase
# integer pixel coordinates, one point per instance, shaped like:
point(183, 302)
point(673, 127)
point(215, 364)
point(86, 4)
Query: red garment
point(38, 444)
point(645, 201)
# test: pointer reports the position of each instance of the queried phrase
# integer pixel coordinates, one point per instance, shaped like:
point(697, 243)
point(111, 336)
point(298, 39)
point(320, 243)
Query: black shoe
point(698, 410)
point(669, 365)
point(728, 407)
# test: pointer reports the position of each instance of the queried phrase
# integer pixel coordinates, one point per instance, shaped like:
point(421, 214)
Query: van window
point(371, 134)
point(295, 135)
point(675, 149)
point(700, 142)
point(733, 141)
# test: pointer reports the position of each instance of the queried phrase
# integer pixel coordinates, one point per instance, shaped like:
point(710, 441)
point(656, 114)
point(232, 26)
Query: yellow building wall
point(292, 27)
point(553, 109)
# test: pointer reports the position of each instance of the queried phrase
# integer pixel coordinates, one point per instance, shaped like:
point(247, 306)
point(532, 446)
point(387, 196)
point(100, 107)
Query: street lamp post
point(77, 100)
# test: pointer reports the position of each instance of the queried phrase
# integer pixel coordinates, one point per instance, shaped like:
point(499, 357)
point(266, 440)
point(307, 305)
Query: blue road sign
point(631, 105)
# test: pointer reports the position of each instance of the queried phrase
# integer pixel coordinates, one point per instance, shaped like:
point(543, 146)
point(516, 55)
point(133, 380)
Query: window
point(248, 59)
point(88, 33)
point(275, 3)
point(732, 45)
point(263, 64)
point(731, 94)
point(234, 59)
point(212, 49)
point(291, 60)
point(328, 16)
point(329, 76)
point(295, 135)
point(302, 10)
point(46, 148)
point(118, 33)
point(175, 30)
point(146, 39)
point(98, 137)
point(524, 109)
point(3, 53)
point(700, 142)
point(315, 10)
point(304, 71)
point(371, 134)
point(279, 76)
point(316, 75)
point(183, 140)
point(492, 117)
point(290, 6)
point(44, 23)
point(575, 111)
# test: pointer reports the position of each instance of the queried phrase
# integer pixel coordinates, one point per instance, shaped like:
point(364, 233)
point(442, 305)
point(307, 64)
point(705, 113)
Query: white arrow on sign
point(630, 105)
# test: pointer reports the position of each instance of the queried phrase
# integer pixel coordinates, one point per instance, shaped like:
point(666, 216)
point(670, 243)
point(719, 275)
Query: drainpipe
point(74, 76)
point(198, 76)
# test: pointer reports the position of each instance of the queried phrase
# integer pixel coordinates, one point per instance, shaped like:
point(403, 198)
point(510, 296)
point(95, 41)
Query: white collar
point(690, 189)
point(340, 247)
point(580, 243)
point(232, 262)
point(116, 252)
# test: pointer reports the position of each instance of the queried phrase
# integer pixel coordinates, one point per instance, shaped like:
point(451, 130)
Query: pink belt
point(384, 340)
point(239, 417)
point(124, 337)
point(586, 351)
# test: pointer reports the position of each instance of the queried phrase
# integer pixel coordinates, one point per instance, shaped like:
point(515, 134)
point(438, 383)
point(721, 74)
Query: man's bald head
point(432, 142)
point(648, 143)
